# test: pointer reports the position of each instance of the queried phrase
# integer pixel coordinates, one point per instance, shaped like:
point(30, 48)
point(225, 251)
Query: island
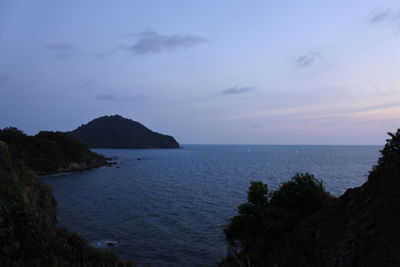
point(119, 132)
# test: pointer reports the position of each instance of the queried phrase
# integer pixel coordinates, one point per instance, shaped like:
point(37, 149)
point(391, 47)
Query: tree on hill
point(264, 222)
point(50, 152)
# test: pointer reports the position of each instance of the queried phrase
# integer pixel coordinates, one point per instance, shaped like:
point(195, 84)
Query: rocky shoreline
point(78, 167)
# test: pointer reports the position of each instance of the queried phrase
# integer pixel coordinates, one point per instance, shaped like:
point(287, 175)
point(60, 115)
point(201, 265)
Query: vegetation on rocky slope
point(265, 223)
point(28, 235)
point(301, 225)
point(50, 152)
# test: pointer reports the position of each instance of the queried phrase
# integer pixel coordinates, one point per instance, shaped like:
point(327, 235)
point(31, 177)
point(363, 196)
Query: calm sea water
point(170, 207)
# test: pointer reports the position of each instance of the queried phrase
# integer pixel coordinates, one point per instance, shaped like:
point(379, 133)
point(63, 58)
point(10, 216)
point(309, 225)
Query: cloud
point(90, 83)
point(308, 59)
point(238, 90)
point(105, 54)
point(151, 42)
point(4, 78)
point(389, 17)
point(114, 98)
point(383, 15)
point(383, 106)
point(106, 97)
point(60, 49)
point(379, 16)
point(360, 110)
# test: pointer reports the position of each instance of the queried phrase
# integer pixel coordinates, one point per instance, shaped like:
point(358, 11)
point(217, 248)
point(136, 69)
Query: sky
point(206, 72)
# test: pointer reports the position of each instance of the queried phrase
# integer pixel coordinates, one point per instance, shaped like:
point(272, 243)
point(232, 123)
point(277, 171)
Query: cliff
point(28, 235)
point(118, 132)
point(360, 228)
point(51, 152)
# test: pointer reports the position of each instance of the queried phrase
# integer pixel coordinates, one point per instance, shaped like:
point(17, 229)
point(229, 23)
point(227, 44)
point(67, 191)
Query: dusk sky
point(206, 72)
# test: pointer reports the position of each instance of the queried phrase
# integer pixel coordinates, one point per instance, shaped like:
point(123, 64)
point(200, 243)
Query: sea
point(169, 207)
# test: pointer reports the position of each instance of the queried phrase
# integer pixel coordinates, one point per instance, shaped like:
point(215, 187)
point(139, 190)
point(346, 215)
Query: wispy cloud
point(308, 59)
point(106, 53)
point(60, 49)
point(4, 77)
point(115, 98)
point(90, 83)
point(379, 113)
point(106, 97)
point(389, 17)
point(358, 110)
point(151, 42)
point(384, 15)
point(238, 90)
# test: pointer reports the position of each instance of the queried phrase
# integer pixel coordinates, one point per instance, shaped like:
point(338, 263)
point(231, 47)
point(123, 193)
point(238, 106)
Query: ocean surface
point(168, 207)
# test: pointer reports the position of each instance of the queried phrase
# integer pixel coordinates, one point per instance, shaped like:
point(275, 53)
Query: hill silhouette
point(118, 132)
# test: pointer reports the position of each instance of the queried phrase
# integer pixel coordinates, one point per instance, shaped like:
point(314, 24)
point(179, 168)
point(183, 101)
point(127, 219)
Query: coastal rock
point(362, 229)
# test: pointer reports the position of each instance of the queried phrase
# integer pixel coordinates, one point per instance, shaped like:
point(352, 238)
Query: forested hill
point(118, 132)
point(50, 152)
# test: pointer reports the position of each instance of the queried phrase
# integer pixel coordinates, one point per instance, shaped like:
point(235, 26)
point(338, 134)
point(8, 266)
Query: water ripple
point(170, 208)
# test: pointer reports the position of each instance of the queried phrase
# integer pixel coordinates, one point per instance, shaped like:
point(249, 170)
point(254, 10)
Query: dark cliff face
point(118, 132)
point(28, 232)
point(363, 229)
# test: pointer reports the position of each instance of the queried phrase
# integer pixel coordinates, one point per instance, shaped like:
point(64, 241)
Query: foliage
point(28, 236)
point(264, 223)
point(27, 239)
point(243, 229)
point(118, 132)
point(302, 225)
point(303, 194)
point(49, 152)
point(390, 155)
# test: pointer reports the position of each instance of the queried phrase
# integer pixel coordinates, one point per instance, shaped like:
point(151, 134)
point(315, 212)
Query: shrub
point(244, 226)
point(390, 154)
point(264, 223)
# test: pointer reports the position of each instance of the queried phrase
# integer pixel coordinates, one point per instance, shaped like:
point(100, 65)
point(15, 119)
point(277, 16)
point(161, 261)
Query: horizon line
point(212, 144)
